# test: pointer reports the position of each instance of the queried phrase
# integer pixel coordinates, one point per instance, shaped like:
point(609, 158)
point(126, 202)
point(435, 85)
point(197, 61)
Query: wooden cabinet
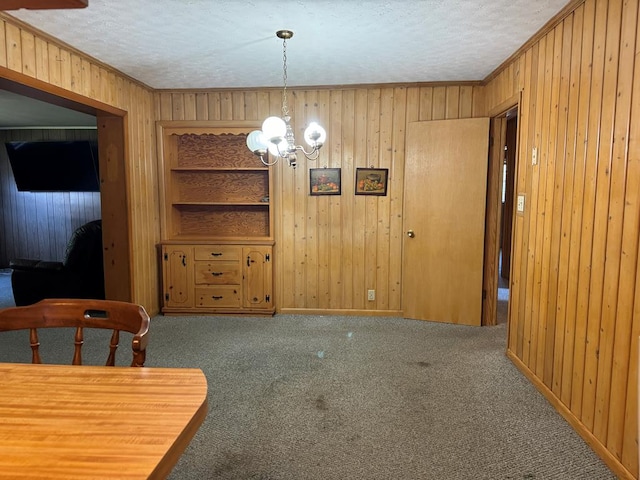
point(217, 220)
point(217, 279)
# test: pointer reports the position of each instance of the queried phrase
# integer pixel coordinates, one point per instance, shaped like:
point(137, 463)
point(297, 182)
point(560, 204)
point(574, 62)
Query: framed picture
point(324, 181)
point(371, 181)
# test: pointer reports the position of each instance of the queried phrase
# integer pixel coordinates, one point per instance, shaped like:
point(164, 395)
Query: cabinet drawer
point(220, 296)
point(218, 273)
point(218, 252)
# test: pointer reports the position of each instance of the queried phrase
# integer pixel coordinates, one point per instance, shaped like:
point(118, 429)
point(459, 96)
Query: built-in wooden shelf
point(217, 220)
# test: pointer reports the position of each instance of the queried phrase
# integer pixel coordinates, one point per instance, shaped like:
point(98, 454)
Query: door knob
point(410, 234)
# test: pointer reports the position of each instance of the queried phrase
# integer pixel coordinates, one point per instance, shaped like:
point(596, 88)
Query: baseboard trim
point(612, 462)
point(365, 313)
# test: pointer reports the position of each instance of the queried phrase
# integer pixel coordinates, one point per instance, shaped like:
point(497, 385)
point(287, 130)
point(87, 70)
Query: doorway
point(501, 176)
point(111, 151)
point(507, 200)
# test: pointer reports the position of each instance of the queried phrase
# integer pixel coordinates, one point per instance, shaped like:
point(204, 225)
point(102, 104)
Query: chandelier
point(276, 136)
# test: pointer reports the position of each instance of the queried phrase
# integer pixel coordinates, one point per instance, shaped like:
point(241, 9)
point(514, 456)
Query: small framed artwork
point(371, 181)
point(324, 181)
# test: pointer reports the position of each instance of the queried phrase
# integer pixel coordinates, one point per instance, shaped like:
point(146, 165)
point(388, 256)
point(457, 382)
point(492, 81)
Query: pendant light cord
point(285, 108)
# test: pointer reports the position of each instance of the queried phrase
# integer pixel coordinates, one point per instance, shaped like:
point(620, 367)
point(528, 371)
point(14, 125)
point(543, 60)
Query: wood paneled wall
point(574, 305)
point(331, 250)
point(38, 225)
point(34, 55)
point(575, 295)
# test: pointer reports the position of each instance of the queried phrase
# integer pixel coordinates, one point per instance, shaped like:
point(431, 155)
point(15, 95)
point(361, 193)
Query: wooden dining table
point(81, 422)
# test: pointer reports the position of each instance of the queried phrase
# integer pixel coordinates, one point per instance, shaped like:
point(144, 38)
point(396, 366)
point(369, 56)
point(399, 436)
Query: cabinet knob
point(410, 234)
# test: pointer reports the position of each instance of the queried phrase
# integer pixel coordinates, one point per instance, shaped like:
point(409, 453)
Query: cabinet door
point(258, 281)
point(177, 275)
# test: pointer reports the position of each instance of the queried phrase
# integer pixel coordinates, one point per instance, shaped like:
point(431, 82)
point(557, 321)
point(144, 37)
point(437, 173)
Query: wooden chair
point(81, 313)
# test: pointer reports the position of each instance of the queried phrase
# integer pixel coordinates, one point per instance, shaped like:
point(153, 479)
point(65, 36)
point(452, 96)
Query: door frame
point(493, 221)
point(112, 140)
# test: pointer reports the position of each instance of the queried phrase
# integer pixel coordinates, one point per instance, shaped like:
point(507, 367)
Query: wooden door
point(445, 197)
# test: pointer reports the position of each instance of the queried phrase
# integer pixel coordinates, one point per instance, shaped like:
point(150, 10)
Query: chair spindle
point(77, 350)
point(113, 346)
point(35, 346)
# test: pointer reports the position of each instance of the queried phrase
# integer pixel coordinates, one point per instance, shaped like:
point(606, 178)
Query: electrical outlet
point(534, 156)
point(520, 204)
point(371, 295)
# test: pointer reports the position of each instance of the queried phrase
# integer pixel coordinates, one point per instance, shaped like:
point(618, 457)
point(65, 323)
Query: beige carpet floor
point(328, 397)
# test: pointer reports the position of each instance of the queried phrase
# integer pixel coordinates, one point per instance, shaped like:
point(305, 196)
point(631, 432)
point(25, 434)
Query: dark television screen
point(56, 166)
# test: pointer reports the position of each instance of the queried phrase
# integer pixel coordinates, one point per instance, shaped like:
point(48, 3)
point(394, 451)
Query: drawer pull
point(215, 254)
point(216, 297)
point(217, 274)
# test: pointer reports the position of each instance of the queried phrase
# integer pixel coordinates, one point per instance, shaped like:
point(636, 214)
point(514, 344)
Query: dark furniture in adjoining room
point(79, 275)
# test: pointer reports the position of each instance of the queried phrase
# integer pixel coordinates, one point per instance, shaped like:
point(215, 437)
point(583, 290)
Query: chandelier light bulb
point(257, 143)
point(277, 148)
point(273, 129)
point(315, 135)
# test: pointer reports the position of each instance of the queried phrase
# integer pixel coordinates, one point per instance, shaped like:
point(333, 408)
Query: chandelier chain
point(285, 108)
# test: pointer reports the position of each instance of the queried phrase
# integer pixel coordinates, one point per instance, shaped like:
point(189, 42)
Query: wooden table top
point(79, 422)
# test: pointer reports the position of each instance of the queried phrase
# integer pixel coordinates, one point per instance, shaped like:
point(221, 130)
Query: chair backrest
point(81, 313)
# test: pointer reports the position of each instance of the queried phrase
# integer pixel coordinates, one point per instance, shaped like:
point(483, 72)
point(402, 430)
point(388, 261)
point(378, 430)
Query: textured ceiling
point(198, 44)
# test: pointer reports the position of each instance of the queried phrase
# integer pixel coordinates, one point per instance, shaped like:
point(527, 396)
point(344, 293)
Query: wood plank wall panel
point(38, 225)
point(330, 250)
point(35, 55)
point(574, 314)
